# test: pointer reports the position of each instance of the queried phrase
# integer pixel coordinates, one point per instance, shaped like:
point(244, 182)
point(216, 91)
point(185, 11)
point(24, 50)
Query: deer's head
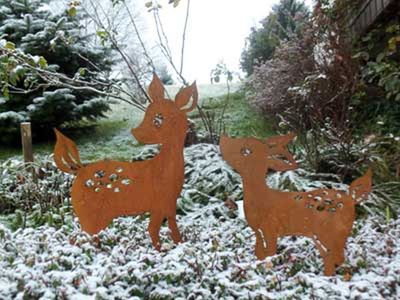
point(251, 155)
point(165, 120)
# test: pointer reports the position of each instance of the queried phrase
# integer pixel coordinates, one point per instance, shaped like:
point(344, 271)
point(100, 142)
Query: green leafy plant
point(382, 63)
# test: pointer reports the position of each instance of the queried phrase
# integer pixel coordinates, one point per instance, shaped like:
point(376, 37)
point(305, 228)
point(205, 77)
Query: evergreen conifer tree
point(60, 43)
point(284, 22)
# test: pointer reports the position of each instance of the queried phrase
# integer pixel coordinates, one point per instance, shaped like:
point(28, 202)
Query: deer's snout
point(139, 134)
point(223, 143)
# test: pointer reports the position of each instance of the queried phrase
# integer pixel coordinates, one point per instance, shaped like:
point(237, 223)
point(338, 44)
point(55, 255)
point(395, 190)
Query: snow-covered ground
point(215, 261)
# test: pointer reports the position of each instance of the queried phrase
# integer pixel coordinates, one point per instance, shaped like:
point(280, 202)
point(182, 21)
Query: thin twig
point(184, 36)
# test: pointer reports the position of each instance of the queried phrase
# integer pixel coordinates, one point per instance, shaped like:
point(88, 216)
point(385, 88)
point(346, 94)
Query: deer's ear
point(156, 89)
point(184, 95)
point(280, 140)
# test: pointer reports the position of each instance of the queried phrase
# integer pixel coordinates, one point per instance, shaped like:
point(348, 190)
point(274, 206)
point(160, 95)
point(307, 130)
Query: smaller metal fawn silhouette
point(325, 215)
point(108, 189)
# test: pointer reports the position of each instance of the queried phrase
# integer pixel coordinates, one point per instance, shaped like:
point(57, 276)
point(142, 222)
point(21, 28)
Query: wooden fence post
point(27, 149)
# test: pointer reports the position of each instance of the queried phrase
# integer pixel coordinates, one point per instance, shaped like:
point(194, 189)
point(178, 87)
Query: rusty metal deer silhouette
point(325, 215)
point(108, 189)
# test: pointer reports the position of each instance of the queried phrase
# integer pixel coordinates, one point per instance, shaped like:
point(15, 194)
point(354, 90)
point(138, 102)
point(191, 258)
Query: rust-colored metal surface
point(107, 189)
point(325, 215)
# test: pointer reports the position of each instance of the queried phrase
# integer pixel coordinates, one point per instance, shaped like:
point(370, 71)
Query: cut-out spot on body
point(97, 189)
point(328, 201)
point(109, 186)
point(310, 205)
point(338, 196)
point(246, 151)
point(113, 177)
point(117, 190)
point(119, 170)
point(89, 183)
point(320, 207)
point(332, 209)
point(99, 174)
point(318, 199)
point(298, 197)
point(126, 181)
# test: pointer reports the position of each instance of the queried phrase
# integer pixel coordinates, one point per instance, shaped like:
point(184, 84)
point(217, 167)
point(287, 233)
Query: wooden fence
point(369, 12)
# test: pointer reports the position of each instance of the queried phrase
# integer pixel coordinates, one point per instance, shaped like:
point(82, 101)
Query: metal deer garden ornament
point(325, 215)
point(107, 189)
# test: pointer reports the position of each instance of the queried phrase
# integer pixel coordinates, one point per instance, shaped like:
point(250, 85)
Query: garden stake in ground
point(325, 215)
point(105, 190)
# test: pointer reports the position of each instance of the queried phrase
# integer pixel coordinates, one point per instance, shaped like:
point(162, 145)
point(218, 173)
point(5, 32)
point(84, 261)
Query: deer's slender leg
point(176, 236)
point(336, 247)
point(327, 256)
point(260, 249)
point(339, 257)
point(338, 253)
point(271, 244)
point(156, 220)
point(329, 264)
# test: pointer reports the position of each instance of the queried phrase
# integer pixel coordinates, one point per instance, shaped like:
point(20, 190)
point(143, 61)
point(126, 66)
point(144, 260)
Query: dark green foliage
point(285, 21)
point(379, 53)
point(59, 43)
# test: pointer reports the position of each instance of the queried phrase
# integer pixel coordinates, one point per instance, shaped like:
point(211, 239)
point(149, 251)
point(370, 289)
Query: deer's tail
point(361, 187)
point(66, 154)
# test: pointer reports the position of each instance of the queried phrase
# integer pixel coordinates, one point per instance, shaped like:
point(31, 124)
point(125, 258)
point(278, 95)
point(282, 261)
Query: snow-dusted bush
point(208, 179)
point(33, 203)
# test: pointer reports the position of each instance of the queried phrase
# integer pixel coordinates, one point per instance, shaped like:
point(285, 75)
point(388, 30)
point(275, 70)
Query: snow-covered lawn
point(215, 261)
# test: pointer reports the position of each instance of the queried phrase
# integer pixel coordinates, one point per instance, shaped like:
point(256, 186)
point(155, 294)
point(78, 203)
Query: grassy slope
point(111, 138)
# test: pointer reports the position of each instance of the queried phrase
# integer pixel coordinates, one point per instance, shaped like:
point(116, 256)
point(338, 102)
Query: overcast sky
point(217, 31)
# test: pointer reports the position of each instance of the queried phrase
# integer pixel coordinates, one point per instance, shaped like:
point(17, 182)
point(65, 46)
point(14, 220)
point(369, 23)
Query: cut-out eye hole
point(246, 151)
point(158, 120)
point(340, 205)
